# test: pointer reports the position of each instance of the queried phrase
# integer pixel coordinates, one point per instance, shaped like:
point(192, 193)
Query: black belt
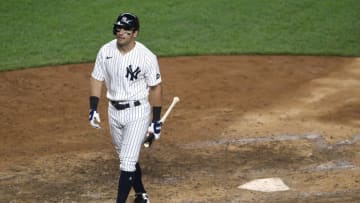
point(121, 106)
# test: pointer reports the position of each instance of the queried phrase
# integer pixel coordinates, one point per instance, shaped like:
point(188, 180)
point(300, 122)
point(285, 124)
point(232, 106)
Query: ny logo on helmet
point(125, 20)
point(133, 74)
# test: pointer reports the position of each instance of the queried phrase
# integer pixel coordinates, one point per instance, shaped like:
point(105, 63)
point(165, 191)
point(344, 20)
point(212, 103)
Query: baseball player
point(132, 78)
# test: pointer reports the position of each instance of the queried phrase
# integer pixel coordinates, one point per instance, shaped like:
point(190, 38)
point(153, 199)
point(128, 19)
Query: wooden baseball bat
point(151, 137)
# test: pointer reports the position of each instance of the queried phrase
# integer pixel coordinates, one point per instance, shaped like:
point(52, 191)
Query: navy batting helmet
point(126, 21)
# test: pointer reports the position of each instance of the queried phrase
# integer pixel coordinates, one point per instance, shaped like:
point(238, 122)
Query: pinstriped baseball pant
point(128, 129)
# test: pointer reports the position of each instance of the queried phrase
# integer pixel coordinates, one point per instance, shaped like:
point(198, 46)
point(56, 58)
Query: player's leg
point(117, 135)
point(124, 186)
point(116, 128)
point(140, 192)
point(133, 137)
point(126, 177)
point(138, 184)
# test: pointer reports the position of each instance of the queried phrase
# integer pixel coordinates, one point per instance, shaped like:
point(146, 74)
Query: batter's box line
point(330, 166)
point(316, 139)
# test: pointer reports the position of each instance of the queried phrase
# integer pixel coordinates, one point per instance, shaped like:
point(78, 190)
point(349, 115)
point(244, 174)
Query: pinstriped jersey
point(127, 76)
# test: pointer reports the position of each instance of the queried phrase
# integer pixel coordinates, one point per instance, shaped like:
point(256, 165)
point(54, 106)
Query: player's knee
point(129, 166)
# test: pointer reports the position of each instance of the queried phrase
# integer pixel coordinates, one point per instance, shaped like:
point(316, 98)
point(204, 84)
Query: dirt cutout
point(240, 118)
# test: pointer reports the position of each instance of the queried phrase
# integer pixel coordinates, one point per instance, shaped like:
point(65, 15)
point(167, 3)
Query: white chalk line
point(331, 165)
point(318, 140)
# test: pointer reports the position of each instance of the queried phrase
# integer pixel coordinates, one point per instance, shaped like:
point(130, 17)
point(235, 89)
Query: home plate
point(265, 185)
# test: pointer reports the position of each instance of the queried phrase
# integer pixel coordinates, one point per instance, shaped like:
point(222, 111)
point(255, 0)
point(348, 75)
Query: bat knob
point(149, 140)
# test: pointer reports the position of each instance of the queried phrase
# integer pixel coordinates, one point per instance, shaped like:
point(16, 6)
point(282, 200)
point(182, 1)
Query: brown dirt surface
point(240, 118)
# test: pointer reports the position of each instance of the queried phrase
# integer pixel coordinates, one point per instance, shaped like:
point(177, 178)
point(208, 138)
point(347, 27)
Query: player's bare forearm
point(155, 96)
point(95, 87)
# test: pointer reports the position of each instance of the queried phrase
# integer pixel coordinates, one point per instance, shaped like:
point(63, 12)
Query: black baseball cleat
point(141, 198)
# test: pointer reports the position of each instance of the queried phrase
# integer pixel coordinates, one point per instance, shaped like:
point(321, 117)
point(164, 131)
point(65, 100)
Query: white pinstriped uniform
point(127, 78)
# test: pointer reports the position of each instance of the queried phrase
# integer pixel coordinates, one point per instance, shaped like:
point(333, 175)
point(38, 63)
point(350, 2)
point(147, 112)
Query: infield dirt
point(240, 118)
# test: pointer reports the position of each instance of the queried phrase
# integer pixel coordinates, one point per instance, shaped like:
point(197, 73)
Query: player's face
point(125, 37)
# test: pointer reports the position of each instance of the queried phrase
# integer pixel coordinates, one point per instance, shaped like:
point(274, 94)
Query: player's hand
point(94, 118)
point(155, 129)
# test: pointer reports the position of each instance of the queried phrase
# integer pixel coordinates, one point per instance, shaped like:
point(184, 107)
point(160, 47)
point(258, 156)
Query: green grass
point(41, 32)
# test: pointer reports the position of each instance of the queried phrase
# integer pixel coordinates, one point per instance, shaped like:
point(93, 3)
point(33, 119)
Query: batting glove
point(155, 129)
point(94, 118)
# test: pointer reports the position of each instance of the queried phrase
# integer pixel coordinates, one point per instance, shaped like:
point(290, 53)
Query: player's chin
point(121, 41)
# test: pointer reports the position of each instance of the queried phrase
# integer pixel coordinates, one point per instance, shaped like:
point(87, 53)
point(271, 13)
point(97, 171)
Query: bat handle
point(148, 141)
